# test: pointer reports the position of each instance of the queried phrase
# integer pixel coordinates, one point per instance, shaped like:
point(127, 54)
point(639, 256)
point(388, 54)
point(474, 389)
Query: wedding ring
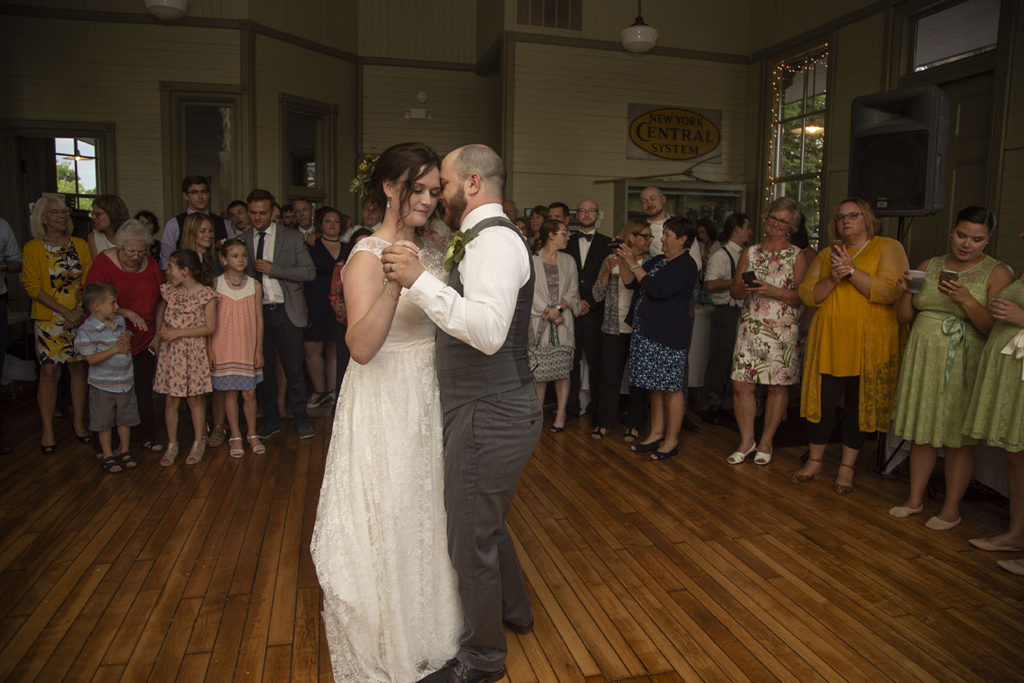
point(391, 267)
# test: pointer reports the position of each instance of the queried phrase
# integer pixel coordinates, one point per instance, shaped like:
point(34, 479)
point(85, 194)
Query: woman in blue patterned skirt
point(661, 331)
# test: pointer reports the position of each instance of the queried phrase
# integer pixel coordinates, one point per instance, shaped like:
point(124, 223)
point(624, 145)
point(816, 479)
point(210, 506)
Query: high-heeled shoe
point(664, 455)
point(197, 452)
point(738, 457)
point(256, 445)
point(646, 447)
point(801, 478)
point(843, 489)
point(170, 454)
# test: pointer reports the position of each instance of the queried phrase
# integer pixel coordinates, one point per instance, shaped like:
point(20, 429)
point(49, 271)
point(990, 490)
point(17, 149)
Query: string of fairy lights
point(781, 74)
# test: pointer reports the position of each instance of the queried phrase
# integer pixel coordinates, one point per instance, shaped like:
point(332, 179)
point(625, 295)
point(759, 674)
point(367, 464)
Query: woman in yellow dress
point(853, 348)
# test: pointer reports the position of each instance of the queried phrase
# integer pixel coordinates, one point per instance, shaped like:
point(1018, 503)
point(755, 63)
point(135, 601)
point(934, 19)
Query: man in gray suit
point(492, 419)
point(278, 258)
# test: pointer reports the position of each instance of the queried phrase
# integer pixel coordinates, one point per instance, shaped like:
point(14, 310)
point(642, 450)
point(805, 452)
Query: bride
point(391, 606)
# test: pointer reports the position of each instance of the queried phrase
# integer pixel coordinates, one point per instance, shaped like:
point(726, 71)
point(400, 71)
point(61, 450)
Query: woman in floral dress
point(767, 350)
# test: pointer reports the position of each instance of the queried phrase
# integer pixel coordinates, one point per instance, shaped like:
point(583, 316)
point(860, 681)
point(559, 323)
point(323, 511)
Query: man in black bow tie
point(588, 249)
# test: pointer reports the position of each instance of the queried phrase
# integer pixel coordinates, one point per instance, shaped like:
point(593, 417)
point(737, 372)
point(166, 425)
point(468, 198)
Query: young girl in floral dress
point(185, 319)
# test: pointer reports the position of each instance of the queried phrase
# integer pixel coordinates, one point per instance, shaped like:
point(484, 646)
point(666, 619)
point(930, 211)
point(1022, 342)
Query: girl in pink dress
point(236, 347)
point(185, 319)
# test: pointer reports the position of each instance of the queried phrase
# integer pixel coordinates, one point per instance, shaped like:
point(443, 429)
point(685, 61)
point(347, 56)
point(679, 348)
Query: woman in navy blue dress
point(661, 331)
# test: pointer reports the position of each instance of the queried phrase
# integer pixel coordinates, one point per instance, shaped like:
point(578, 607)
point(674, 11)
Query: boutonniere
point(457, 248)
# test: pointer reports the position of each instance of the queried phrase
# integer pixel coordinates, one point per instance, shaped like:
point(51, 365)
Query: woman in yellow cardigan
point(853, 349)
point(55, 266)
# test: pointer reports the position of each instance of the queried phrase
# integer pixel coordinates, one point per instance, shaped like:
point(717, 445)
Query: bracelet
point(849, 275)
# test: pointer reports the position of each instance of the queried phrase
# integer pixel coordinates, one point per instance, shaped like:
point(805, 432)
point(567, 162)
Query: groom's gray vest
point(465, 374)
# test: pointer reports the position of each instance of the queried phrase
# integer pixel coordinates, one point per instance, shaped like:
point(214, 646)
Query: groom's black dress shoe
point(457, 672)
point(518, 628)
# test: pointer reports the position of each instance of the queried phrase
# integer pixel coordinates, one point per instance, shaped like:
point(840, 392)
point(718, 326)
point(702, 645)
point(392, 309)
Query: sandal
point(84, 439)
point(762, 458)
point(48, 449)
point(128, 460)
point(111, 464)
point(631, 435)
point(217, 436)
point(801, 478)
point(235, 452)
point(843, 489)
point(737, 457)
point(599, 433)
point(256, 445)
point(170, 455)
point(197, 452)
point(153, 446)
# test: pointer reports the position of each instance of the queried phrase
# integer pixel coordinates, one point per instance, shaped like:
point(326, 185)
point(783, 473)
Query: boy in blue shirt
point(103, 340)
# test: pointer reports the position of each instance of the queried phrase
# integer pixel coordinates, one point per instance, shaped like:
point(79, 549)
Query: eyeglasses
point(134, 252)
point(853, 215)
point(97, 213)
point(58, 212)
point(776, 220)
point(644, 235)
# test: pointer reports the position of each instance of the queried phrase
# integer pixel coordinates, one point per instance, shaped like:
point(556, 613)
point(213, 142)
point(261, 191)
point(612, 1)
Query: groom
point(492, 419)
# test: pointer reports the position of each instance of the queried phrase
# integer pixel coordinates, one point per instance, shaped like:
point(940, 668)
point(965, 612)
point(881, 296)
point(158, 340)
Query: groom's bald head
point(484, 162)
point(471, 176)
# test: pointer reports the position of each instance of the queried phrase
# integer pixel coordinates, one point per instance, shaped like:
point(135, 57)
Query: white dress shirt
point(719, 269)
point(494, 268)
point(585, 245)
point(272, 292)
point(657, 228)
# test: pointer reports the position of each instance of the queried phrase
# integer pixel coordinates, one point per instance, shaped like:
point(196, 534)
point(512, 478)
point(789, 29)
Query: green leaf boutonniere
point(457, 248)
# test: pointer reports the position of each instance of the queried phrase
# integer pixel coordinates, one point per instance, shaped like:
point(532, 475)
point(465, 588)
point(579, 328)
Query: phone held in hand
point(615, 244)
point(749, 277)
point(948, 276)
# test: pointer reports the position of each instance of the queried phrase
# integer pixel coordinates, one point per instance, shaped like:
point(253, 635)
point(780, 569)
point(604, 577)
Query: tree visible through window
point(76, 171)
point(797, 137)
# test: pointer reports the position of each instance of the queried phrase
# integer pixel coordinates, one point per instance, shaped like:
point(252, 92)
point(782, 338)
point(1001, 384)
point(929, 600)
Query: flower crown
point(363, 175)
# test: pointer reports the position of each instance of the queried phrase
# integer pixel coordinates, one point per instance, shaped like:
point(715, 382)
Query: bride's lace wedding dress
point(391, 605)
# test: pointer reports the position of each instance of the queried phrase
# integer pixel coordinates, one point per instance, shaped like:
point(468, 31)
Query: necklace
point(327, 239)
point(236, 285)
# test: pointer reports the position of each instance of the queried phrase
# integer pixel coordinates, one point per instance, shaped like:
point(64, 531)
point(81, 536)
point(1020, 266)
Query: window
point(566, 14)
point(307, 130)
point(76, 171)
point(961, 31)
point(796, 141)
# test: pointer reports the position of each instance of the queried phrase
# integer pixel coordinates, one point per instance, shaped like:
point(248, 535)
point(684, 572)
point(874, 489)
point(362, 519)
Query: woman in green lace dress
point(996, 411)
point(940, 362)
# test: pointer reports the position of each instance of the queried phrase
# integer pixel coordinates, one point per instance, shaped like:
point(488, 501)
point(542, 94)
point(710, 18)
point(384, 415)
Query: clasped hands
point(401, 263)
point(842, 263)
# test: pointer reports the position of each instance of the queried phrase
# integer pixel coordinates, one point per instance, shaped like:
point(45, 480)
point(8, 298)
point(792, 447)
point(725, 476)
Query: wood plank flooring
point(685, 570)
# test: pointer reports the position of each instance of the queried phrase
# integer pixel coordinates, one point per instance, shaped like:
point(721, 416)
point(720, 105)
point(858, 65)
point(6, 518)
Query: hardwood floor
point(684, 570)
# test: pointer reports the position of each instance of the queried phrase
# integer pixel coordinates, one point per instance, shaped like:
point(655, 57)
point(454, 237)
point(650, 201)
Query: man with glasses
point(195, 189)
point(588, 249)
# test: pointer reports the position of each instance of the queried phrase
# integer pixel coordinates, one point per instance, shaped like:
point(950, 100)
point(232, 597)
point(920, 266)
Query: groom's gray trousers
point(487, 442)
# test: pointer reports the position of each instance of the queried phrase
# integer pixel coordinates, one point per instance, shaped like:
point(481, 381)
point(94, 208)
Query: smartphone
point(948, 276)
point(748, 278)
point(615, 244)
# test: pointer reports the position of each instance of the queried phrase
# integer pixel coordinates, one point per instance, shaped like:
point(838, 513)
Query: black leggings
point(832, 389)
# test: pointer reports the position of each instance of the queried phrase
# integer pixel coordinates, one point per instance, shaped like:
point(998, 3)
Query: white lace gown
point(391, 605)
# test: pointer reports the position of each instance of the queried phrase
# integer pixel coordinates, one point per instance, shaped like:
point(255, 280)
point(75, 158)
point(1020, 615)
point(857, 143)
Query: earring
point(389, 203)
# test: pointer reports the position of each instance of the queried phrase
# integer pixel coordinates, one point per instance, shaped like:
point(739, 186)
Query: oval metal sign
point(674, 133)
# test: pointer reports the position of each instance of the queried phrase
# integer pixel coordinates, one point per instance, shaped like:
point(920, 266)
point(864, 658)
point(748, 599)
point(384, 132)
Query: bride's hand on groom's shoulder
point(401, 264)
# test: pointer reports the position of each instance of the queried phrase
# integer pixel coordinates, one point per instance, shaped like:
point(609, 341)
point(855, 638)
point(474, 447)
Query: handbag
point(548, 363)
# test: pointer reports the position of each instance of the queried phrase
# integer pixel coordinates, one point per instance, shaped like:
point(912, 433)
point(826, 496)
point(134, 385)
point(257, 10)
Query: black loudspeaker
point(899, 141)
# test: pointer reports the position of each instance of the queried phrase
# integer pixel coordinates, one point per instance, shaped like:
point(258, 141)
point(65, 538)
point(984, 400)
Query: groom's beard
point(454, 210)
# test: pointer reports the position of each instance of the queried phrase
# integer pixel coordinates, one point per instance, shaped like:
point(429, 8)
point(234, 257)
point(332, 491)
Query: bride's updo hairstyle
point(403, 163)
